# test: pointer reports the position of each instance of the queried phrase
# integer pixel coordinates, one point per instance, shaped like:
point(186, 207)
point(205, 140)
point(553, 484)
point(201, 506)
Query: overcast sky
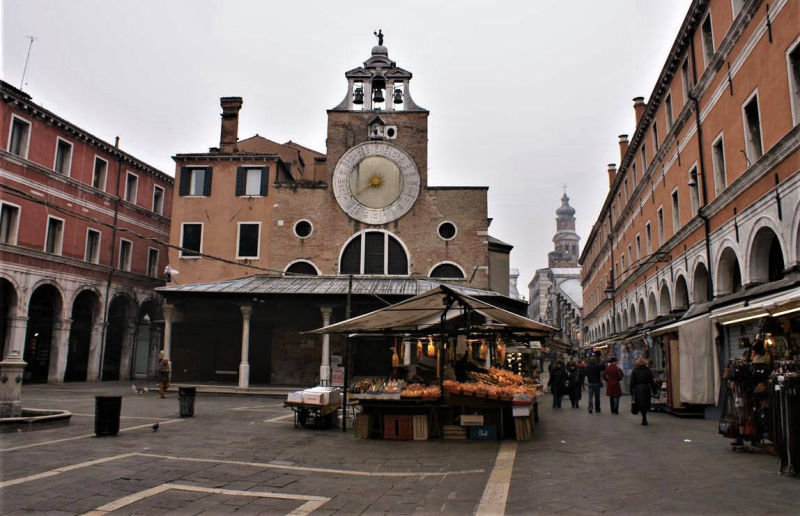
point(524, 96)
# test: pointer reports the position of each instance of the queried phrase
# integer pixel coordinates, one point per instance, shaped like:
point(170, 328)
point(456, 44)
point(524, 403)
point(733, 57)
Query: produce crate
point(398, 428)
point(523, 428)
point(454, 432)
point(483, 433)
point(362, 426)
point(420, 428)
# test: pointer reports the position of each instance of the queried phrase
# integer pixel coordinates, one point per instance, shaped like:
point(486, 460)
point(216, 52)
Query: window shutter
point(264, 181)
point(241, 179)
point(186, 178)
point(207, 184)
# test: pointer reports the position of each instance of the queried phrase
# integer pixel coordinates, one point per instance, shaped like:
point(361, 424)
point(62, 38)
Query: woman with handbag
point(642, 385)
point(613, 375)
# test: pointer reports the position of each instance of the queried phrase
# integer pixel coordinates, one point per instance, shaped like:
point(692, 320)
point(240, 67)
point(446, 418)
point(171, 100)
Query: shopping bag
point(634, 406)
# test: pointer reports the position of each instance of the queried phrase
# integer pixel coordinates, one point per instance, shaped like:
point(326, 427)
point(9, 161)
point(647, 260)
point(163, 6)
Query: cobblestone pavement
point(242, 454)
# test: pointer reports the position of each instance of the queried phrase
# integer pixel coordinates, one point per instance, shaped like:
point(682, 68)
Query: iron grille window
point(383, 254)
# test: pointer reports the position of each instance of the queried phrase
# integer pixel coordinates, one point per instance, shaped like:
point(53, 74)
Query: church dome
point(565, 209)
point(380, 50)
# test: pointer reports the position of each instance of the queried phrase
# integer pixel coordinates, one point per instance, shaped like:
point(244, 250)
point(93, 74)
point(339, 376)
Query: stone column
point(126, 354)
point(12, 367)
point(244, 365)
point(325, 368)
point(59, 348)
point(17, 326)
point(95, 345)
point(169, 313)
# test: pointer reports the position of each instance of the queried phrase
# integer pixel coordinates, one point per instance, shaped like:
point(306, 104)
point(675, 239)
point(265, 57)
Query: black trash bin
point(186, 400)
point(106, 415)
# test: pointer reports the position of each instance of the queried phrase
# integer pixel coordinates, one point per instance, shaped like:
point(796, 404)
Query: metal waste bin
point(784, 401)
point(186, 400)
point(106, 415)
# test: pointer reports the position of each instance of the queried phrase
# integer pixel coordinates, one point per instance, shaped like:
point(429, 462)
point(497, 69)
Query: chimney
point(229, 134)
point(639, 106)
point(116, 142)
point(612, 173)
point(623, 147)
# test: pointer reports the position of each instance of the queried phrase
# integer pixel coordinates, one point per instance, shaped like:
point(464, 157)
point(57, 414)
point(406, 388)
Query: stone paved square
point(576, 463)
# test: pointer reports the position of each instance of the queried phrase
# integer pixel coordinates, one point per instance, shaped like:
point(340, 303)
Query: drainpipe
point(702, 166)
point(612, 286)
point(113, 267)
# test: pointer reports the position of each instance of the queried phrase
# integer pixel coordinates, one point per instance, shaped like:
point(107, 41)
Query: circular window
point(303, 228)
point(447, 230)
point(390, 132)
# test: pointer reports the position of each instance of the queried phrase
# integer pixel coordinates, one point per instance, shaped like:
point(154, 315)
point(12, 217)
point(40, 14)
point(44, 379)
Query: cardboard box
point(315, 398)
point(295, 397)
point(471, 419)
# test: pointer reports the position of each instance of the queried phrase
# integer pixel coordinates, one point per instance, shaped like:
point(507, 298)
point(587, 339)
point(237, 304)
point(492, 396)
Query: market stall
point(450, 374)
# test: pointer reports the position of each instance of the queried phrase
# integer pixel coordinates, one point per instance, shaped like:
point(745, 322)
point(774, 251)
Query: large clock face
point(376, 182)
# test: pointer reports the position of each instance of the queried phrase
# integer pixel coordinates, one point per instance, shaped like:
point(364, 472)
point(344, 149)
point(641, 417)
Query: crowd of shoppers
point(572, 377)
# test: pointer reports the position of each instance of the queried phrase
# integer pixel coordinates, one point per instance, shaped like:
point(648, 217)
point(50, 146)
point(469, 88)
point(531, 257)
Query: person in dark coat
point(574, 383)
point(594, 372)
point(164, 371)
point(613, 375)
point(558, 382)
point(642, 385)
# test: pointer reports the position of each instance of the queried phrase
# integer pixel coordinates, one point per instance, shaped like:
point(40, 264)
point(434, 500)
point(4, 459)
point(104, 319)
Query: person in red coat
point(613, 374)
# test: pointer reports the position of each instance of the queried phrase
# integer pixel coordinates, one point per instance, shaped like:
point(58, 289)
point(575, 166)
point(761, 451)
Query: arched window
point(447, 271)
point(304, 268)
point(374, 252)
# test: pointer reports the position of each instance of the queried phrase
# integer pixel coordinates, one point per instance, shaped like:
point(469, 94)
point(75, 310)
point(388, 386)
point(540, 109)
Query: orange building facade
point(703, 213)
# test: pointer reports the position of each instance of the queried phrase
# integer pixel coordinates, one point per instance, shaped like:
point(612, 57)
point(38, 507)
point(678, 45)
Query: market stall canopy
point(427, 309)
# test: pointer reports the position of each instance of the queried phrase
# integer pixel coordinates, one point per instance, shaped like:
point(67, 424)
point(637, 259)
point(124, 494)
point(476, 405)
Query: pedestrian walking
point(594, 372)
point(642, 385)
point(574, 383)
point(558, 382)
point(613, 375)
point(163, 374)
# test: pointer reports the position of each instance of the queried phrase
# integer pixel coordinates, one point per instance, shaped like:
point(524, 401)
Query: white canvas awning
point(773, 304)
point(426, 311)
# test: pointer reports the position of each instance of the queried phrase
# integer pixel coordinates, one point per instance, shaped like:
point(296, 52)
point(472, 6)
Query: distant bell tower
point(565, 242)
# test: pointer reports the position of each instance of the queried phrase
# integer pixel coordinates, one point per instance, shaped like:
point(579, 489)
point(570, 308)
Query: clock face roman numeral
point(381, 192)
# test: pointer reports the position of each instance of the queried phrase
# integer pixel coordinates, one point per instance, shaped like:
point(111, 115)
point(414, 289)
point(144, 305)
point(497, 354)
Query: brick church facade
point(298, 223)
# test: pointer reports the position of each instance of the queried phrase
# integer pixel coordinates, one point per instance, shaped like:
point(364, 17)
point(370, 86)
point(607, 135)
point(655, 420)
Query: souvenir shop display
point(761, 399)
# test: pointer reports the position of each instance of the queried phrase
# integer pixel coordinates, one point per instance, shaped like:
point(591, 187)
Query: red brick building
point(83, 229)
point(364, 208)
point(701, 223)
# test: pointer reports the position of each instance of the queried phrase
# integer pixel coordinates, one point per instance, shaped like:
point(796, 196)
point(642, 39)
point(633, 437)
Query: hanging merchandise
point(395, 358)
point(483, 350)
point(501, 351)
point(431, 348)
point(419, 349)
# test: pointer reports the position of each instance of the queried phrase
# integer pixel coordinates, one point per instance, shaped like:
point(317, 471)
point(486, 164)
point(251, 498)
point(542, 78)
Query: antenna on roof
point(22, 81)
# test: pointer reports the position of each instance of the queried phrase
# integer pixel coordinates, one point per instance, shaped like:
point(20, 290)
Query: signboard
point(337, 376)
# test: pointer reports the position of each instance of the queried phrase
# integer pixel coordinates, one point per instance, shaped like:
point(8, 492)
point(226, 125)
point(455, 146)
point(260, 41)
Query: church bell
point(378, 85)
point(358, 96)
point(398, 96)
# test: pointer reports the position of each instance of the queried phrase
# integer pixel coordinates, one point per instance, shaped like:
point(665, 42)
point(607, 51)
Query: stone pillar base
point(325, 375)
point(244, 375)
point(11, 387)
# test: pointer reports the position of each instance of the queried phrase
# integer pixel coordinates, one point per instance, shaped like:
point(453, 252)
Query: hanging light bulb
point(431, 348)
